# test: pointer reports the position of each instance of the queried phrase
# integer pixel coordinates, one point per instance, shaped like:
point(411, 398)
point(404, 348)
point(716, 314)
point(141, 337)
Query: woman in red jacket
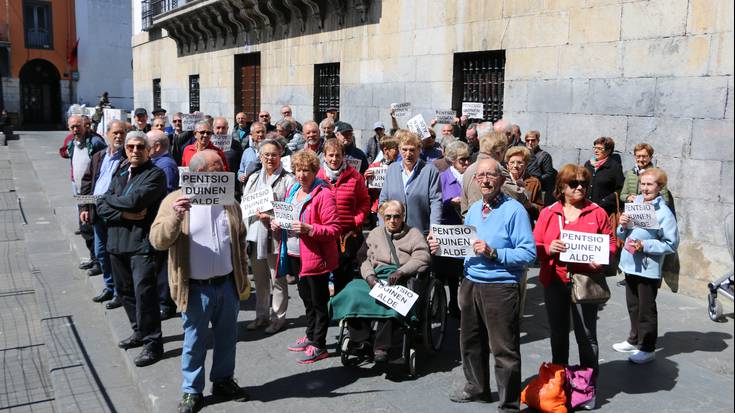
point(309, 249)
point(353, 207)
point(573, 212)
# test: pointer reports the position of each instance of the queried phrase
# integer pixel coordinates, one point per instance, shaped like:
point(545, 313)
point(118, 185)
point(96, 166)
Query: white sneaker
point(624, 347)
point(275, 326)
point(590, 405)
point(256, 324)
point(642, 357)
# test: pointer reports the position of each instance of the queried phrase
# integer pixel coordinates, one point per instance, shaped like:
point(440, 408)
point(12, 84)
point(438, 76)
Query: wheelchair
point(424, 331)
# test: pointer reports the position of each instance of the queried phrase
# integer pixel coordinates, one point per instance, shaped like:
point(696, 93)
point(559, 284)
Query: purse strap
point(392, 248)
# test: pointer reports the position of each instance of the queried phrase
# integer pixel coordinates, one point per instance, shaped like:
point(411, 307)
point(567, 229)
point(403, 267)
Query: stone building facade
point(656, 71)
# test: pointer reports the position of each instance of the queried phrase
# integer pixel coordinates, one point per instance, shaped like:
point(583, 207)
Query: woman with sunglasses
point(607, 175)
point(574, 212)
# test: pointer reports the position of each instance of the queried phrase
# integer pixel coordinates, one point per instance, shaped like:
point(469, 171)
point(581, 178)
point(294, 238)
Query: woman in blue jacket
point(641, 261)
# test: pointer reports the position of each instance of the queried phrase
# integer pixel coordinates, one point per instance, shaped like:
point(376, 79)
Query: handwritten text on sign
point(454, 240)
point(585, 248)
point(417, 125)
point(253, 202)
point(285, 214)
point(641, 216)
point(445, 116)
point(223, 142)
point(354, 163)
point(210, 188)
point(86, 199)
point(188, 122)
point(473, 110)
point(397, 297)
point(378, 178)
point(401, 110)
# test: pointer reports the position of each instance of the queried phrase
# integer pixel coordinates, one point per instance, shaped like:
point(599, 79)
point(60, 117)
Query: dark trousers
point(449, 270)
point(361, 332)
point(347, 262)
point(135, 282)
point(164, 292)
point(86, 230)
point(558, 300)
point(640, 295)
point(490, 323)
point(314, 291)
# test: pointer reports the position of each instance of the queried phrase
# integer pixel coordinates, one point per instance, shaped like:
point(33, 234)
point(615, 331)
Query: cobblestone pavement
point(693, 371)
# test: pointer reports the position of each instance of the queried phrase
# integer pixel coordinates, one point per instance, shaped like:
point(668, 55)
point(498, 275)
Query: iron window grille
point(326, 89)
point(479, 77)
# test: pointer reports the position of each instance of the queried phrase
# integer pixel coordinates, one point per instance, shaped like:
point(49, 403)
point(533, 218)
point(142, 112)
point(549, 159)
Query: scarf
point(597, 164)
point(458, 176)
point(258, 232)
point(333, 174)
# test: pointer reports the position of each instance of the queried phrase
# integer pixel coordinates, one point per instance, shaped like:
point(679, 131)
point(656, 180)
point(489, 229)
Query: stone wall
point(656, 71)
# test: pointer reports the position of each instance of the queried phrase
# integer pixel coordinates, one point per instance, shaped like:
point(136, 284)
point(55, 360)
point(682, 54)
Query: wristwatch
point(493, 254)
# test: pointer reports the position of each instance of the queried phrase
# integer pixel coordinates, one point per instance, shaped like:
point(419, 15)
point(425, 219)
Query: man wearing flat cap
point(140, 120)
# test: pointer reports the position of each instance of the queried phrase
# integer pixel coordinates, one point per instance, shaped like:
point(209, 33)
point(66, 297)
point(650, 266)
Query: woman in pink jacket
point(309, 249)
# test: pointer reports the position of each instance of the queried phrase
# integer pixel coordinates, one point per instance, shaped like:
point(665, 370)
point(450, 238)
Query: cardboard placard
point(108, 115)
point(208, 188)
point(401, 110)
point(223, 142)
point(585, 248)
point(641, 216)
point(418, 126)
point(397, 297)
point(285, 214)
point(260, 200)
point(473, 110)
point(188, 122)
point(286, 163)
point(86, 199)
point(454, 240)
point(445, 116)
point(355, 163)
point(378, 178)
point(182, 169)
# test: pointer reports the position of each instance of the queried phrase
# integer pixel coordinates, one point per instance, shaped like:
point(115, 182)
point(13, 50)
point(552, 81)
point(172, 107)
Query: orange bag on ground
point(545, 392)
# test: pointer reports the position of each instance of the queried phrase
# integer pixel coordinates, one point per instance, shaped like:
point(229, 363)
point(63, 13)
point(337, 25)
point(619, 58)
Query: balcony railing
point(151, 8)
point(38, 39)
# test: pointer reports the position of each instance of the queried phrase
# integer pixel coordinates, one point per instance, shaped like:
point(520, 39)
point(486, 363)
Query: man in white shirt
point(208, 277)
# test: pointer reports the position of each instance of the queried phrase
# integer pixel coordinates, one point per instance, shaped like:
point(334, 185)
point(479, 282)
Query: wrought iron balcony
point(151, 8)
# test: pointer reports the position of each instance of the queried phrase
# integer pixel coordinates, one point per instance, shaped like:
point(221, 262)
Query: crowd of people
point(160, 254)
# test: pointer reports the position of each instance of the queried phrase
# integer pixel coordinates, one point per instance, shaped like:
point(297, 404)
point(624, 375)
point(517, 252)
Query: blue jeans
point(100, 252)
point(218, 304)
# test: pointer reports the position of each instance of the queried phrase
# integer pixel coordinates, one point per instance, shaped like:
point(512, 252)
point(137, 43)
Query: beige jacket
point(171, 232)
point(411, 248)
point(471, 190)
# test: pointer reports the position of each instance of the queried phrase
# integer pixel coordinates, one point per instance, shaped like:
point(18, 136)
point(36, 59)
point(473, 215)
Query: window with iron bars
point(151, 8)
point(156, 93)
point(326, 89)
point(38, 25)
point(193, 93)
point(479, 77)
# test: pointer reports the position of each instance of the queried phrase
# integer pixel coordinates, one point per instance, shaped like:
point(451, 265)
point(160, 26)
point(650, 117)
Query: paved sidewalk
point(693, 371)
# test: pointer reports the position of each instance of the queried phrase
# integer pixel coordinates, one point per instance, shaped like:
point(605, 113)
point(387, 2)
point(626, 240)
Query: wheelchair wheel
point(344, 356)
point(714, 308)
point(411, 364)
point(434, 316)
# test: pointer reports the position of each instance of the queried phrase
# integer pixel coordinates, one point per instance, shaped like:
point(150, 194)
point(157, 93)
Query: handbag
point(579, 386)
point(545, 393)
point(588, 288)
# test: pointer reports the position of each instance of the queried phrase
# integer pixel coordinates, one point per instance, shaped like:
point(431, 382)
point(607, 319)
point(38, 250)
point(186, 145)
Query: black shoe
point(359, 349)
point(463, 396)
point(380, 356)
point(105, 295)
point(167, 313)
point(77, 232)
point(114, 303)
point(228, 388)
point(85, 265)
point(150, 355)
point(94, 270)
point(130, 342)
point(191, 403)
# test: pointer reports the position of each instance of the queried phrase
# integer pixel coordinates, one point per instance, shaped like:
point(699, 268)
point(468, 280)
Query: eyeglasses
point(464, 159)
point(389, 217)
point(270, 155)
point(516, 163)
point(575, 183)
point(264, 116)
point(486, 175)
point(598, 148)
point(176, 121)
point(531, 140)
point(131, 147)
point(204, 132)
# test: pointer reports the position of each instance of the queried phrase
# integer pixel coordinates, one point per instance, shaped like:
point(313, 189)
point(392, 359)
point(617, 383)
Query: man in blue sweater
point(489, 294)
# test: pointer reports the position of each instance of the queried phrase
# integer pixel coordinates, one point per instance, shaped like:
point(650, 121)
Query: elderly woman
point(309, 249)
point(517, 159)
point(607, 175)
point(389, 149)
point(269, 313)
point(287, 127)
point(414, 183)
point(572, 212)
point(353, 206)
point(643, 154)
point(641, 261)
point(393, 252)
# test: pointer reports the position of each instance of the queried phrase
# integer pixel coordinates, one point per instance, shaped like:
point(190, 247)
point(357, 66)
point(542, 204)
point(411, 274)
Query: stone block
point(730, 98)
point(512, 8)
point(419, 94)
point(712, 139)
point(675, 56)
point(594, 25)
point(710, 16)
point(727, 184)
point(579, 131)
point(537, 30)
point(561, 156)
point(437, 40)
point(386, 93)
point(434, 68)
point(441, 95)
point(356, 95)
point(615, 96)
point(721, 58)
point(704, 221)
point(695, 97)
point(655, 18)
point(531, 63)
point(371, 71)
point(550, 95)
point(476, 10)
point(515, 96)
point(669, 136)
point(529, 121)
point(697, 179)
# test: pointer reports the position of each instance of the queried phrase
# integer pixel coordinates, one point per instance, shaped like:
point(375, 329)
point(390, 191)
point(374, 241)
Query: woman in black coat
point(607, 175)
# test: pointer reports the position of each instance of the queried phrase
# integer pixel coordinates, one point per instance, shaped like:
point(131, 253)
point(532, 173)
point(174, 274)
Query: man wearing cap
point(343, 130)
point(373, 146)
point(332, 113)
point(141, 120)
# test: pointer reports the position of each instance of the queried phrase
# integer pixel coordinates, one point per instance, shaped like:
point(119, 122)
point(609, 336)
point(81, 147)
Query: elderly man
point(332, 113)
point(515, 136)
point(159, 124)
point(473, 141)
point(314, 142)
point(208, 277)
point(265, 118)
point(372, 149)
point(179, 138)
point(250, 155)
point(326, 126)
point(128, 208)
point(286, 112)
point(241, 131)
point(489, 294)
point(96, 181)
point(140, 115)
point(234, 152)
point(286, 127)
point(202, 136)
point(343, 130)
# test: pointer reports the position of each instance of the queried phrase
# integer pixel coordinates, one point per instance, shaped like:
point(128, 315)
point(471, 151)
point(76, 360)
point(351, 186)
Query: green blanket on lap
point(355, 300)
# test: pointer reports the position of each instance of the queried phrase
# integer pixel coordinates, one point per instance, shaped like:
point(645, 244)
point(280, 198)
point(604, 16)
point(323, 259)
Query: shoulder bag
point(588, 288)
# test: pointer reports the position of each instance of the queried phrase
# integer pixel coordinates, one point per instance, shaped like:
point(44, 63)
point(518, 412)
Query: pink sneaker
point(313, 354)
point(300, 344)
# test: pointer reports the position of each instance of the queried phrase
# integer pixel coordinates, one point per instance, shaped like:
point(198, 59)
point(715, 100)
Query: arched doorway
point(40, 93)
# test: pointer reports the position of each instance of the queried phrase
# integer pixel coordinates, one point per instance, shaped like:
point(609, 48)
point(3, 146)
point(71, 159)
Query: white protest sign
point(355, 163)
point(584, 247)
point(86, 199)
point(286, 163)
point(454, 240)
point(223, 142)
point(182, 170)
point(188, 122)
point(397, 297)
point(418, 126)
point(445, 116)
point(285, 214)
point(401, 110)
point(641, 216)
point(473, 110)
point(260, 200)
point(89, 112)
point(108, 115)
point(208, 188)
point(378, 178)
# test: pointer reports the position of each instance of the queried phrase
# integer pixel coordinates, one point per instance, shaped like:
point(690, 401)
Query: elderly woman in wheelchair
point(392, 253)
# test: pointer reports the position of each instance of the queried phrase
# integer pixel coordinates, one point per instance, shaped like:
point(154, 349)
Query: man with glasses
point(234, 152)
point(265, 118)
point(128, 209)
point(203, 140)
point(179, 139)
point(541, 165)
point(287, 113)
